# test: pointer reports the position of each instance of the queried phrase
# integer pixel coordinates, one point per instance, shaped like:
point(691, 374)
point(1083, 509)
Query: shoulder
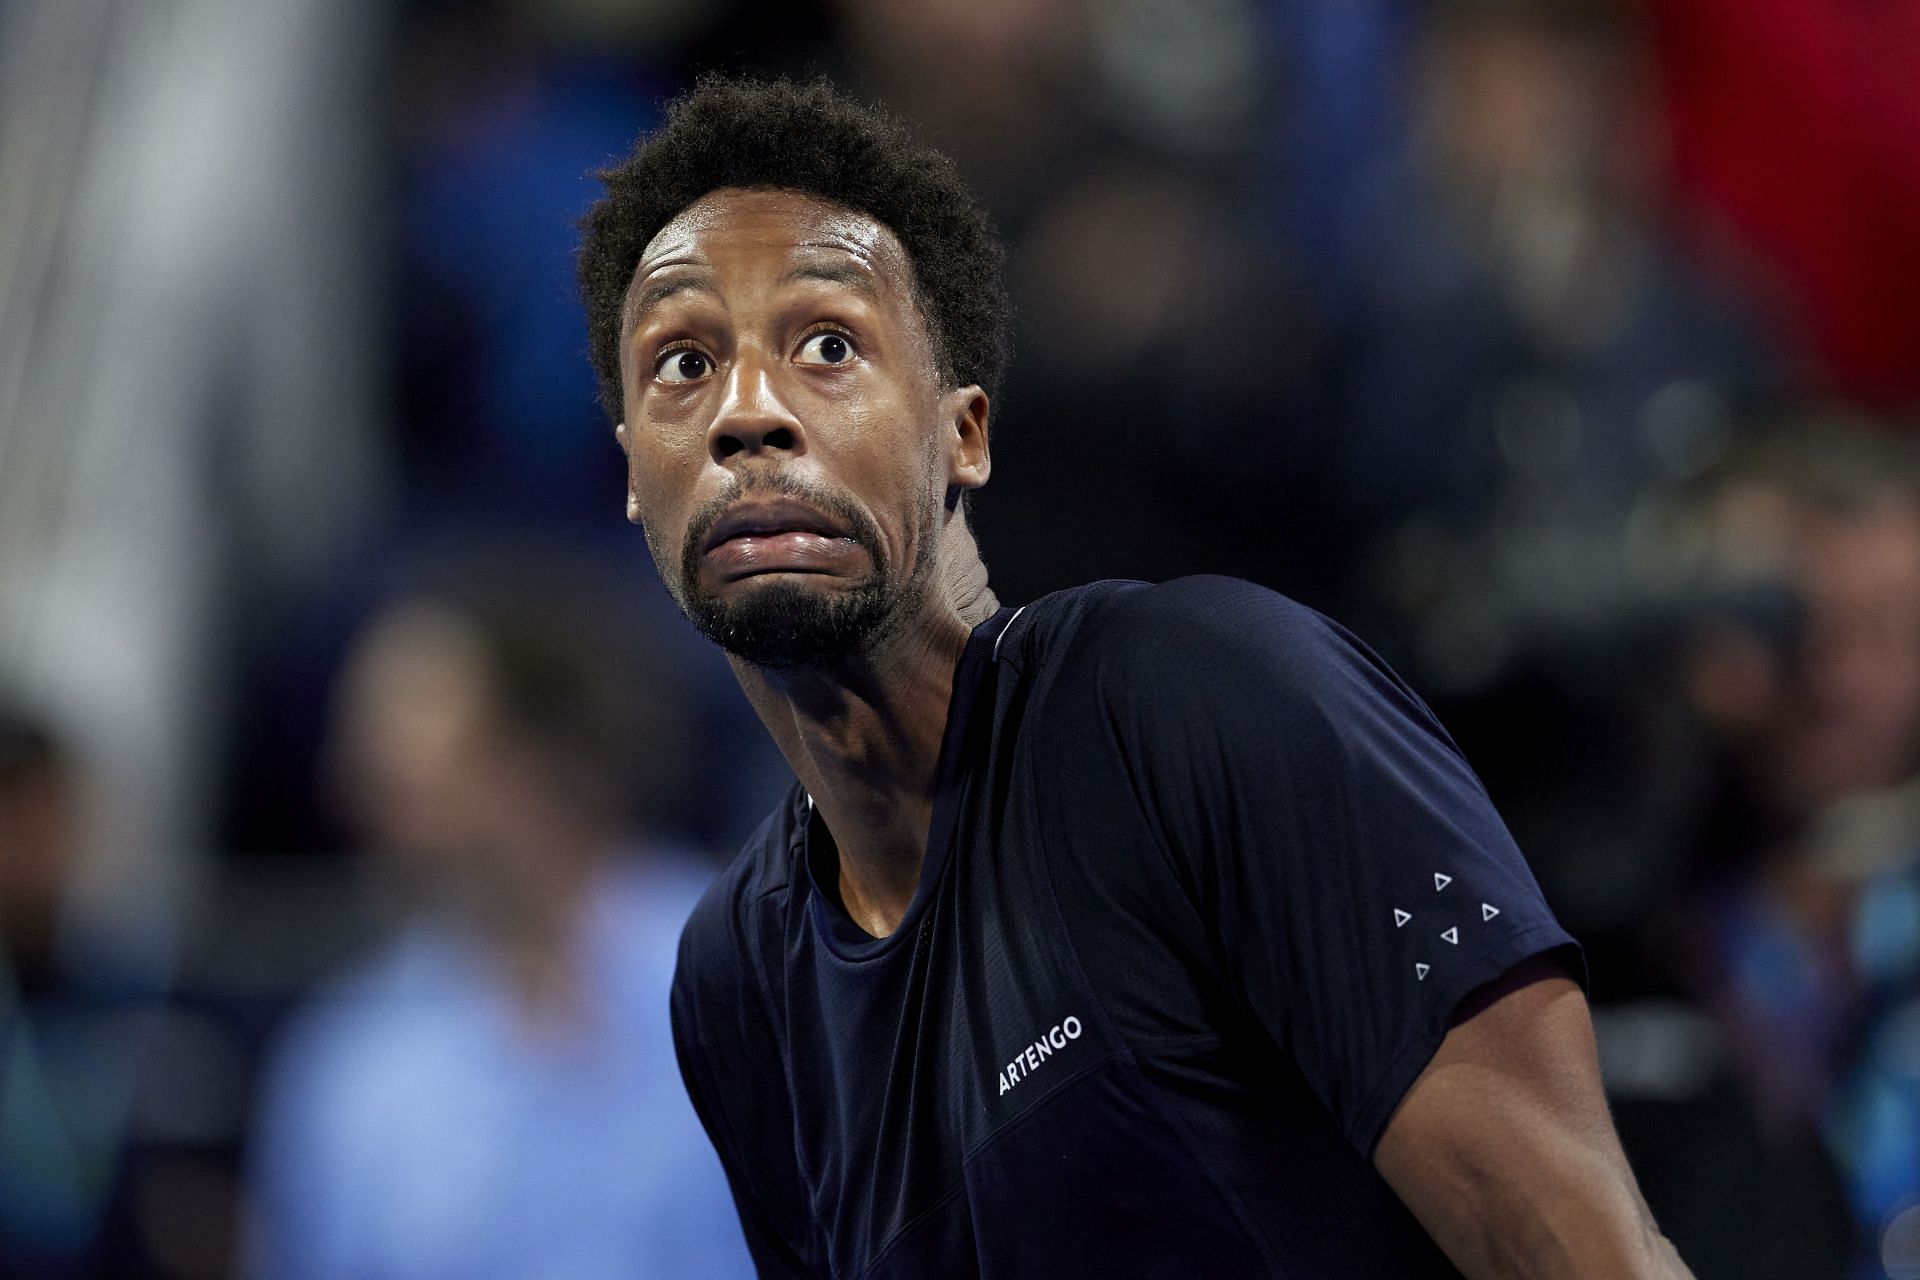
point(736, 925)
point(1218, 616)
point(1196, 641)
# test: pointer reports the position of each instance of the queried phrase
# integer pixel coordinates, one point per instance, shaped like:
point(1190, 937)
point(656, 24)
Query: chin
point(791, 622)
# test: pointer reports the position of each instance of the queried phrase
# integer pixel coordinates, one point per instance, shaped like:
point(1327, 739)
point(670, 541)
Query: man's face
point(789, 447)
point(1854, 717)
point(416, 743)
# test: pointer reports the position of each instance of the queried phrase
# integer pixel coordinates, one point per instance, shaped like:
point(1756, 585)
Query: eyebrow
point(658, 292)
point(842, 273)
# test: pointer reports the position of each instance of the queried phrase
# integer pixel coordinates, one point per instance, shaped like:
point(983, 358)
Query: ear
point(633, 499)
point(969, 459)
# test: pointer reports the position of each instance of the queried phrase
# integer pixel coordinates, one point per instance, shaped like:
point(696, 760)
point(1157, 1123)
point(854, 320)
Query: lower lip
point(796, 552)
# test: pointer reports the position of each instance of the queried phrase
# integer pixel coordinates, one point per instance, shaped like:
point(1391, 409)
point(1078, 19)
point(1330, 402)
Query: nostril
point(780, 438)
point(729, 445)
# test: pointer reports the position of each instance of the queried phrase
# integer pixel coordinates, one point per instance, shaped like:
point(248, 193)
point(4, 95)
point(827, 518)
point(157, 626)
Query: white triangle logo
point(1452, 935)
point(1441, 881)
point(1488, 911)
point(1401, 917)
point(1421, 970)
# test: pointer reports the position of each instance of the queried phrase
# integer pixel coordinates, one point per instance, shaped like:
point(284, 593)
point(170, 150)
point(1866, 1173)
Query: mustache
point(782, 484)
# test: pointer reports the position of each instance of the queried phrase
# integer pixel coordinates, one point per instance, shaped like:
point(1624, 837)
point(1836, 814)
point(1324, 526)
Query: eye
point(826, 348)
point(683, 365)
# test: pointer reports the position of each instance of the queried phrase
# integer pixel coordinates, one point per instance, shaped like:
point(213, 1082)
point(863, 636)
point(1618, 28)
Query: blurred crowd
point(355, 773)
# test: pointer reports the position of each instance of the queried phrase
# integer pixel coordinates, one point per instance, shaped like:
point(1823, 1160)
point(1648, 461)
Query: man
point(492, 1092)
point(1799, 567)
point(82, 1006)
point(1139, 931)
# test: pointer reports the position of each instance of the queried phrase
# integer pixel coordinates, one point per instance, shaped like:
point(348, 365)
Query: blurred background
point(355, 772)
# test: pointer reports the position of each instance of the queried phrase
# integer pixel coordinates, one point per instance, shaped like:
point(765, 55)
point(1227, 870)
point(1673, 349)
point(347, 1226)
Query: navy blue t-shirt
point(1204, 884)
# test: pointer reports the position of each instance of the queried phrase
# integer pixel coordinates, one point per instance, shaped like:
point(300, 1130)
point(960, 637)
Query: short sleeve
point(1349, 867)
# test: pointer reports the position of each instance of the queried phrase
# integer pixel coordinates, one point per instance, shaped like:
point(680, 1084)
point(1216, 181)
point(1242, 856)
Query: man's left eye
point(825, 348)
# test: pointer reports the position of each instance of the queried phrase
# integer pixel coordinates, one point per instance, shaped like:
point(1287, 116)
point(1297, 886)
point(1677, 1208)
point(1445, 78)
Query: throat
point(878, 919)
point(876, 885)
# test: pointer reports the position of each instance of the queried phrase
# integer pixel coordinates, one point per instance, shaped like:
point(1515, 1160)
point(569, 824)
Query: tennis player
point(1138, 931)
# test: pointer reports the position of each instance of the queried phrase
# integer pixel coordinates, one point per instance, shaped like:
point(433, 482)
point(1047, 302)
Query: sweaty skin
point(1502, 1148)
point(749, 281)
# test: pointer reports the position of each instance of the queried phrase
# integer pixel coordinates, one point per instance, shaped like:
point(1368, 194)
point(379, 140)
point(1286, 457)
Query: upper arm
point(1348, 871)
point(1503, 1148)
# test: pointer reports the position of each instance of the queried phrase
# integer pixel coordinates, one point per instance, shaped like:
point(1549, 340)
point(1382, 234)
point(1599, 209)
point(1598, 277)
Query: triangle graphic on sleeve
point(1441, 880)
point(1401, 917)
point(1488, 911)
point(1420, 970)
point(1452, 935)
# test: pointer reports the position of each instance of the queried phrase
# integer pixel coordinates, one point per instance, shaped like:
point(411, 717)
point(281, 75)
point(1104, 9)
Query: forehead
point(734, 232)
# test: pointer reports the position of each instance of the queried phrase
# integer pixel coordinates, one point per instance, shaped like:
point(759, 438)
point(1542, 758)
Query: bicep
point(1503, 1148)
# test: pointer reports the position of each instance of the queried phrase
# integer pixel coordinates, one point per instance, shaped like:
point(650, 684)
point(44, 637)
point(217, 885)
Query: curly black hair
point(811, 138)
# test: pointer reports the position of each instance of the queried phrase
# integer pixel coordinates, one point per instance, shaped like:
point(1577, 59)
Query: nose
point(752, 419)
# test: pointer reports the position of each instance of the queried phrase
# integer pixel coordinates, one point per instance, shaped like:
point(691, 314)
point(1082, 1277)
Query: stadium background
point(1567, 350)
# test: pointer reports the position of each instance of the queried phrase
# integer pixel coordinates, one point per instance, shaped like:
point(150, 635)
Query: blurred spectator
point(79, 1013)
point(1519, 353)
point(1116, 134)
point(1798, 927)
point(495, 1092)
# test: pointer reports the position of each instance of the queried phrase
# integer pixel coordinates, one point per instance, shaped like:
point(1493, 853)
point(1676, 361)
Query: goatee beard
point(786, 625)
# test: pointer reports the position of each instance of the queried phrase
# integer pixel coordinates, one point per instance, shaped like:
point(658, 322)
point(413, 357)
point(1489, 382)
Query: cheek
point(915, 485)
point(666, 485)
point(913, 461)
point(660, 473)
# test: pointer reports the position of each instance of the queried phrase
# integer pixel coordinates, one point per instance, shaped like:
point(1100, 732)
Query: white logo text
point(1029, 1059)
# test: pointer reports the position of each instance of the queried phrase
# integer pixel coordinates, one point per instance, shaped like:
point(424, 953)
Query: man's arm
point(1504, 1150)
point(1365, 901)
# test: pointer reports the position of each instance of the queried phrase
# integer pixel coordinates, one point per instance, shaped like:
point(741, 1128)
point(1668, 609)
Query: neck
point(864, 736)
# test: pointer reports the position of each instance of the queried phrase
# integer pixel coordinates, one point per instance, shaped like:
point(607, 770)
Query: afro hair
point(810, 138)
